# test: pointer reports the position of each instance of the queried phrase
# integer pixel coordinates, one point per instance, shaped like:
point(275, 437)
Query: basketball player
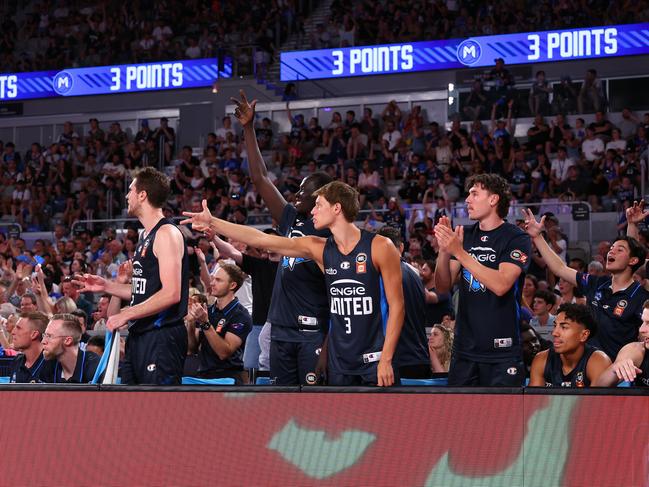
point(632, 363)
point(159, 291)
point(571, 362)
point(490, 258)
point(363, 275)
point(299, 313)
point(412, 351)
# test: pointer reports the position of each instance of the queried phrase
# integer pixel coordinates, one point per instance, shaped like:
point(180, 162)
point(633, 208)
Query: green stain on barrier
point(540, 462)
point(317, 456)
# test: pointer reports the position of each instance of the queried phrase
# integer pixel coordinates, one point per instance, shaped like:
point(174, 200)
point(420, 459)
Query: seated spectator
point(592, 147)
point(542, 306)
point(30, 365)
point(219, 333)
point(572, 362)
point(61, 345)
point(440, 346)
point(602, 127)
point(96, 344)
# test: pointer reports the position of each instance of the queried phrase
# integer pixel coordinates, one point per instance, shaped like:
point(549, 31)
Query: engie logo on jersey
point(469, 52)
point(361, 264)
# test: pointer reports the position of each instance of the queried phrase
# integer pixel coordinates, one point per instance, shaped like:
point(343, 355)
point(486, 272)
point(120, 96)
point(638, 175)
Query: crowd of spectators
point(44, 35)
point(362, 22)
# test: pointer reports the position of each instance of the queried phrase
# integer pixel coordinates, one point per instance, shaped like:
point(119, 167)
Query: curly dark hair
point(580, 313)
point(497, 185)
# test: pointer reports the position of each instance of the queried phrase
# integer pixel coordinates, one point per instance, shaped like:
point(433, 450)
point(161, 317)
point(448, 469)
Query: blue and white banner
point(522, 48)
point(104, 80)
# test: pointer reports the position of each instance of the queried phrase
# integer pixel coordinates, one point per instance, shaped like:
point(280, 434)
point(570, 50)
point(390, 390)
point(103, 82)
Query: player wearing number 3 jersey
point(363, 275)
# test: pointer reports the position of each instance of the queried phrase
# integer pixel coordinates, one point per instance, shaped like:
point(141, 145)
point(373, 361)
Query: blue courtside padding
point(5, 380)
point(263, 381)
point(443, 381)
point(225, 381)
point(625, 383)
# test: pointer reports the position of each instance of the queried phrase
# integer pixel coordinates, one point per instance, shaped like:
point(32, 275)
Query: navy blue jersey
point(359, 310)
point(84, 370)
point(146, 282)
point(618, 314)
point(299, 299)
point(38, 372)
point(262, 272)
point(234, 318)
point(436, 311)
point(488, 326)
point(413, 344)
point(642, 380)
point(577, 377)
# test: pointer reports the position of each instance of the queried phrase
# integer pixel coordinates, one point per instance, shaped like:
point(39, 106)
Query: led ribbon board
point(523, 48)
point(104, 80)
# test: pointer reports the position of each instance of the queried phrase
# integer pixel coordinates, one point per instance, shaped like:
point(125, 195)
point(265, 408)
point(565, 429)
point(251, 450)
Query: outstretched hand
point(636, 213)
point(245, 111)
point(532, 226)
point(200, 222)
point(90, 283)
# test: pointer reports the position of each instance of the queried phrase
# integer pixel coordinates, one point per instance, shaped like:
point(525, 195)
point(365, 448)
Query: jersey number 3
point(348, 325)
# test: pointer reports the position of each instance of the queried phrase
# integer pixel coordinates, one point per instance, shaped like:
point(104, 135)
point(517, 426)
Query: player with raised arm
point(615, 299)
point(363, 277)
point(488, 260)
point(159, 291)
point(298, 313)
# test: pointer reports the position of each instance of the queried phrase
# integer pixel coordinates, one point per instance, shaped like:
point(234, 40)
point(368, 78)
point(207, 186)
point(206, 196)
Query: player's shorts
point(465, 372)
point(367, 378)
point(156, 356)
point(293, 363)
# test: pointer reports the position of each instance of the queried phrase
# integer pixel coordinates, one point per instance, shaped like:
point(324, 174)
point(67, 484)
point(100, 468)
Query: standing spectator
point(95, 133)
point(539, 97)
point(475, 106)
point(165, 137)
point(591, 94)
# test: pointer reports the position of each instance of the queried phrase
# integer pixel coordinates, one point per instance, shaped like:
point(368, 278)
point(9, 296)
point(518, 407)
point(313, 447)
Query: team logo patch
point(219, 325)
point(317, 351)
point(150, 367)
point(145, 247)
point(345, 265)
point(361, 263)
point(519, 256)
point(579, 380)
point(619, 308)
point(311, 379)
point(484, 238)
point(512, 370)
